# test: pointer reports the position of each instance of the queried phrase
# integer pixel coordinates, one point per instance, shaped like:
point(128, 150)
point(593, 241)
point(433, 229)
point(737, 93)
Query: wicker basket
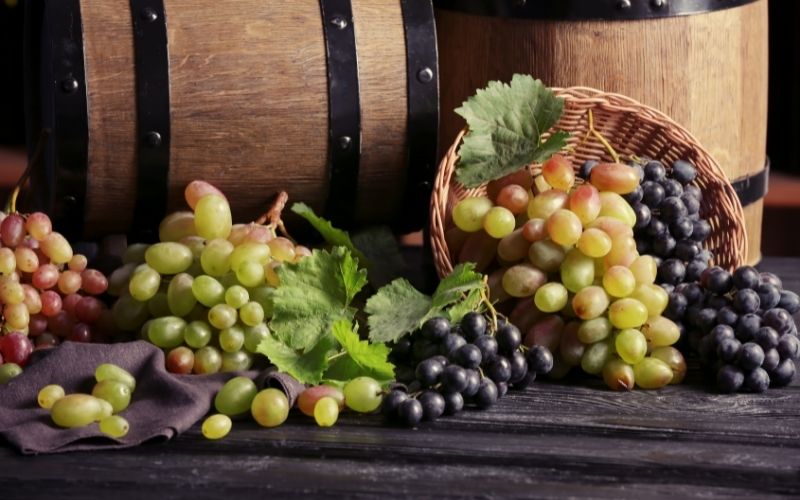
point(632, 129)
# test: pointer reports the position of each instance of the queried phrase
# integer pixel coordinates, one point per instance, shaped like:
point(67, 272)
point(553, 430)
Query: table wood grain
point(551, 440)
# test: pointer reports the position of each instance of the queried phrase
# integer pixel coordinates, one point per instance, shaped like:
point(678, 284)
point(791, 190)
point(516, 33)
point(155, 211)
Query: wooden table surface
point(551, 440)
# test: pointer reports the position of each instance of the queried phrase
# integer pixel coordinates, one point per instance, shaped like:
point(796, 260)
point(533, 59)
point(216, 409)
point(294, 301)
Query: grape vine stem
point(600, 138)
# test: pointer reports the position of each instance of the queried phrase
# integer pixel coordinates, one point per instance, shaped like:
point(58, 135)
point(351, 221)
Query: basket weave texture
point(631, 128)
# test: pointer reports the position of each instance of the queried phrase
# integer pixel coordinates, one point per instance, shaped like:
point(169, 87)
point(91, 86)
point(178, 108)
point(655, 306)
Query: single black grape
point(727, 316)
point(473, 325)
point(634, 196)
point(766, 337)
point(694, 269)
point(676, 307)
point(701, 318)
point(701, 231)
point(779, 319)
point(468, 356)
point(643, 215)
point(683, 171)
point(654, 170)
point(473, 382)
point(586, 169)
point(691, 202)
point(687, 250)
point(435, 328)
point(454, 378)
point(453, 402)
point(655, 228)
point(771, 278)
point(508, 338)
point(747, 326)
point(746, 301)
point(526, 381)
point(663, 245)
point(721, 332)
point(652, 194)
point(788, 347)
point(770, 295)
point(671, 271)
point(729, 379)
point(441, 359)
point(486, 395)
point(540, 360)
point(672, 188)
point(682, 228)
point(424, 349)
point(692, 292)
point(783, 374)
point(499, 370)
point(450, 343)
point(728, 350)
point(746, 277)
point(771, 360)
point(756, 380)
point(751, 355)
point(391, 403)
point(789, 301)
point(694, 191)
point(672, 208)
point(717, 280)
point(519, 366)
point(429, 371)
point(432, 405)
point(488, 347)
point(410, 412)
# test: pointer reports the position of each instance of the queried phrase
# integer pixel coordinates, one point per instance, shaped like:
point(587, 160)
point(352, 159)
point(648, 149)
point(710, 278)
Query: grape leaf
point(463, 279)
point(395, 310)
point(472, 302)
point(360, 359)
point(505, 127)
point(308, 367)
point(314, 293)
point(332, 235)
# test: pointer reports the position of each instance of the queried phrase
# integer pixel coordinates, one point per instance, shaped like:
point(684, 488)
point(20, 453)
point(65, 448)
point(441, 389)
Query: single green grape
point(216, 426)
point(250, 273)
point(631, 345)
point(251, 314)
point(222, 316)
point(236, 361)
point(208, 291)
point(180, 298)
point(9, 371)
point(197, 334)
point(110, 371)
point(212, 217)
point(166, 332)
point(116, 393)
point(76, 410)
point(144, 283)
point(231, 339)
point(551, 297)
point(468, 213)
point(114, 426)
point(49, 394)
point(236, 396)
point(253, 335)
point(216, 257)
point(270, 408)
point(326, 411)
point(250, 251)
point(236, 296)
point(363, 394)
point(169, 257)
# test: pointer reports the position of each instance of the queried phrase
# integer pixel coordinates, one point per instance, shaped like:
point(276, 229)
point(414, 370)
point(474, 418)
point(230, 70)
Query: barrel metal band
point(68, 116)
point(754, 187)
point(152, 115)
point(582, 10)
point(423, 111)
point(344, 110)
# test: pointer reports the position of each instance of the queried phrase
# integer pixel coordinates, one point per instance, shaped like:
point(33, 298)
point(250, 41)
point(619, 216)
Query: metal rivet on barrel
point(659, 3)
point(149, 14)
point(152, 139)
point(69, 85)
point(624, 4)
point(339, 22)
point(425, 75)
point(345, 141)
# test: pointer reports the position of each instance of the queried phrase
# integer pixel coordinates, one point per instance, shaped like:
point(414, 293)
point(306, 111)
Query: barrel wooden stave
point(707, 71)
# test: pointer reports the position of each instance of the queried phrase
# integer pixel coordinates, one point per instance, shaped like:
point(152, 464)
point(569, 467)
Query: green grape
point(551, 297)
point(564, 227)
point(129, 314)
point(523, 280)
point(512, 247)
point(631, 345)
point(208, 291)
point(326, 412)
point(76, 410)
point(594, 330)
point(134, 254)
point(661, 331)
point(253, 335)
point(116, 393)
point(109, 371)
point(577, 271)
point(595, 357)
point(158, 305)
point(570, 347)
point(250, 251)
point(144, 283)
point(623, 252)
point(627, 313)
point(180, 298)
point(9, 371)
point(282, 249)
point(270, 408)
point(251, 314)
point(584, 202)
point(216, 426)
point(177, 226)
point(222, 316)
point(594, 243)
point(263, 295)
point(468, 213)
point(238, 361)
point(654, 298)
point(618, 375)
point(547, 255)
point(231, 339)
point(619, 281)
point(590, 302)
point(652, 373)
point(207, 360)
point(614, 228)
point(49, 394)
point(106, 410)
point(236, 296)
point(499, 222)
point(166, 332)
point(11, 292)
point(216, 257)
point(114, 426)
point(212, 217)
point(614, 205)
point(250, 273)
point(644, 269)
point(197, 334)
point(169, 257)
point(674, 359)
point(236, 396)
point(363, 394)
point(546, 204)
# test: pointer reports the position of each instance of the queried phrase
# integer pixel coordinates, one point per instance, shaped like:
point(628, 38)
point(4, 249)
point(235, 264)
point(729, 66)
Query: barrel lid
point(574, 10)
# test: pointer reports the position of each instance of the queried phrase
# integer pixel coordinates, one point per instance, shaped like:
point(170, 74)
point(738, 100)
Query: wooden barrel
point(702, 62)
point(334, 101)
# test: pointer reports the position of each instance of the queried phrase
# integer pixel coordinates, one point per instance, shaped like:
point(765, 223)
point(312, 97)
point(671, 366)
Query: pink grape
point(45, 277)
point(514, 198)
point(521, 178)
point(27, 260)
point(78, 263)
point(88, 309)
point(585, 203)
point(69, 302)
point(81, 332)
point(94, 282)
point(558, 172)
point(534, 230)
point(69, 282)
point(197, 189)
point(12, 230)
point(61, 324)
point(51, 303)
point(32, 299)
point(39, 225)
point(16, 348)
point(57, 248)
point(37, 325)
point(614, 177)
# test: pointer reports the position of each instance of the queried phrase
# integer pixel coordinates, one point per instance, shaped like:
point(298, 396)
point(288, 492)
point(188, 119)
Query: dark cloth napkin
point(162, 406)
